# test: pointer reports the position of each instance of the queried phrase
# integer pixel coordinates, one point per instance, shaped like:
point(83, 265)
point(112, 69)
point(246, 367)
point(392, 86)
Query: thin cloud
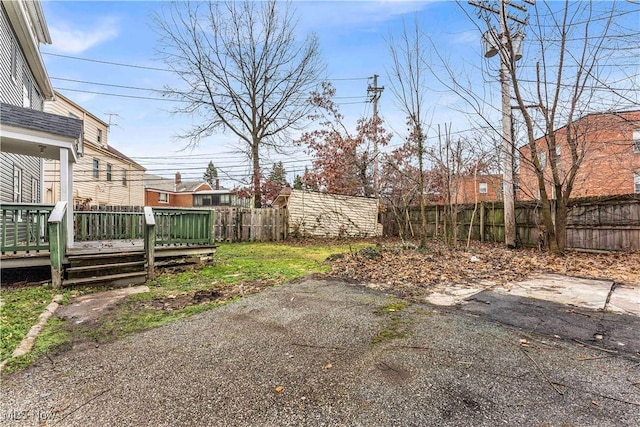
point(320, 15)
point(72, 40)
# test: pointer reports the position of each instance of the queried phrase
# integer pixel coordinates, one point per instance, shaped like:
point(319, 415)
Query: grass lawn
point(239, 269)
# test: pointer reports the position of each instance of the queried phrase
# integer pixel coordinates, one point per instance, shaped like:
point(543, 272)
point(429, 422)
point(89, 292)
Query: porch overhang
point(48, 136)
point(39, 134)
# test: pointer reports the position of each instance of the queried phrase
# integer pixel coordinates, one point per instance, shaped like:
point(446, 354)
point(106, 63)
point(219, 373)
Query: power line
point(104, 84)
point(119, 64)
point(154, 90)
point(118, 95)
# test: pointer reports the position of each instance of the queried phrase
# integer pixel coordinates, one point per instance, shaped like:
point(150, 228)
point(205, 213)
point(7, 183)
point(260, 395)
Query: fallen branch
point(320, 346)
point(604, 396)
point(595, 346)
point(582, 359)
point(83, 404)
point(543, 373)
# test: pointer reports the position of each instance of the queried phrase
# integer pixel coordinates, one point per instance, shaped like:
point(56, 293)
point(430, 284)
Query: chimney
point(217, 184)
point(178, 178)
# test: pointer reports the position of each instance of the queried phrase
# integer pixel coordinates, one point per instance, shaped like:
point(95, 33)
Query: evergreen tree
point(278, 174)
point(297, 183)
point(211, 174)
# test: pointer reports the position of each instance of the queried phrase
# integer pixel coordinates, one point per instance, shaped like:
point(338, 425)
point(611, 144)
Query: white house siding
point(30, 167)
point(85, 186)
point(99, 190)
point(330, 215)
point(64, 107)
point(11, 92)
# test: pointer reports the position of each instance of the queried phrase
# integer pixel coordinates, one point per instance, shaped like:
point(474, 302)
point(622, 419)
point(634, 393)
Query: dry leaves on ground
point(409, 270)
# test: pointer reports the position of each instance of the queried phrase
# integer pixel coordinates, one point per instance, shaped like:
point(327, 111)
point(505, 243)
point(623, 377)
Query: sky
point(89, 38)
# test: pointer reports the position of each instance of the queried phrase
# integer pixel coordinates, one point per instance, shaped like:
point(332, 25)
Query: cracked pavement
point(328, 353)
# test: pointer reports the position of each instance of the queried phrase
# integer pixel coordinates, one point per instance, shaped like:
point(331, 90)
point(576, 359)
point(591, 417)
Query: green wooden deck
point(36, 235)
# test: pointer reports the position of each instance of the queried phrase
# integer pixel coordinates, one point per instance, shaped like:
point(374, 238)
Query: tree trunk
point(560, 230)
point(255, 157)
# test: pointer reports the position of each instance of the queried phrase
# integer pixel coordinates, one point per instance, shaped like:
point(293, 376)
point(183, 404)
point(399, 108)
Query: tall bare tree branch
point(241, 70)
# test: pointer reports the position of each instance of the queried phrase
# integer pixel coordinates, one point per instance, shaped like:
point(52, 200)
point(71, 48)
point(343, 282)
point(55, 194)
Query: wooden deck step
point(122, 279)
point(96, 267)
point(101, 256)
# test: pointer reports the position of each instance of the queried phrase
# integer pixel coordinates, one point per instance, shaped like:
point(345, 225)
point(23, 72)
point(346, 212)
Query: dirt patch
point(214, 295)
point(108, 323)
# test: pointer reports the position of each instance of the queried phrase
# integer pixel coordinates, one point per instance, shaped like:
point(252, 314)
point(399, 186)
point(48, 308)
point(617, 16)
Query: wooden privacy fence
point(250, 224)
point(604, 223)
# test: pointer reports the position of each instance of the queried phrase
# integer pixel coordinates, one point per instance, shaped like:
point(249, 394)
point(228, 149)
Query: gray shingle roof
point(40, 121)
point(157, 182)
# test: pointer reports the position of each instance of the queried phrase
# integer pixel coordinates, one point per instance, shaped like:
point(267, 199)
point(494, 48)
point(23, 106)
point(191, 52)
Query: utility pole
point(374, 93)
point(507, 44)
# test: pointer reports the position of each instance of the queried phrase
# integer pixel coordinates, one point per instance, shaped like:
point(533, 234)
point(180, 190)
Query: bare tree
point(577, 61)
point(408, 84)
point(241, 70)
point(575, 44)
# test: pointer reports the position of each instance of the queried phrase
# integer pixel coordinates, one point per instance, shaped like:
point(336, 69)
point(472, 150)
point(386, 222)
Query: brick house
point(166, 192)
point(481, 188)
point(609, 144)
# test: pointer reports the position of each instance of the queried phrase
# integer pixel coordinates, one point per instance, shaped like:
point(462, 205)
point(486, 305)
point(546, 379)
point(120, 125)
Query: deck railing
point(57, 225)
point(173, 226)
point(184, 226)
point(24, 227)
point(106, 225)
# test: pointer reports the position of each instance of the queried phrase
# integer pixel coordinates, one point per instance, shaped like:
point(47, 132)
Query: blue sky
point(353, 42)
point(352, 37)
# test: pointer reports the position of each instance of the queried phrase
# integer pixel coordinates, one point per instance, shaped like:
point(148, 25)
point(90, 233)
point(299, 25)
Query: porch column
point(66, 190)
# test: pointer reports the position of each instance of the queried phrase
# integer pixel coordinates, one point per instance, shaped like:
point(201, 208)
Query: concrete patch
point(625, 299)
point(92, 306)
point(575, 291)
point(451, 295)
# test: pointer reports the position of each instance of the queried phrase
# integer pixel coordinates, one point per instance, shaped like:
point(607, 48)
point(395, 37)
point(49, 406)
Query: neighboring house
point(329, 215)
point(27, 134)
point(609, 144)
point(480, 188)
point(103, 176)
point(160, 191)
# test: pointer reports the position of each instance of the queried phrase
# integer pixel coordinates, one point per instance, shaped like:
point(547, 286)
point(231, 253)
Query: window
point(17, 190)
point(26, 93)
point(35, 193)
point(124, 177)
point(542, 158)
point(14, 61)
point(483, 188)
point(99, 136)
point(108, 172)
point(163, 197)
point(636, 141)
point(202, 200)
point(96, 168)
point(558, 154)
point(17, 185)
point(636, 182)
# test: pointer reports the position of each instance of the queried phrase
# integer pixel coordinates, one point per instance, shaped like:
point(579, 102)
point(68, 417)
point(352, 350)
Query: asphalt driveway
point(328, 353)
